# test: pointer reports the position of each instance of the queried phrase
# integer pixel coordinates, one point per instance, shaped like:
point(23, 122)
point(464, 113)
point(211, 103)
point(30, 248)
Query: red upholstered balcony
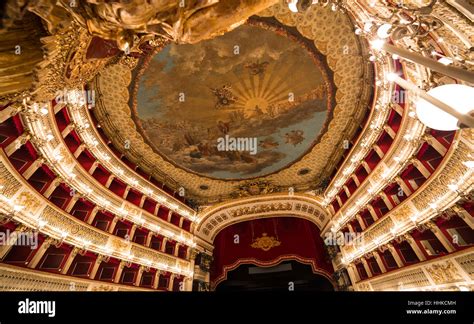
point(140, 236)
point(384, 142)
point(61, 196)
point(351, 185)
point(149, 205)
point(413, 177)
point(444, 137)
point(62, 119)
point(23, 157)
point(72, 141)
point(177, 286)
point(374, 267)
point(122, 229)
point(107, 270)
point(394, 120)
point(164, 281)
point(134, 197)
point(372, 159)
point(428, 243)
point(156, 242)
point(388, 260)
point(86, 159)
point(356, 226)
point(456, 229)
point(186, 225)
point(21, 255)
point(182, 251)
point(129, 275)
point(175, 218)
point(367, 217)
point(148, 278)
point(82, 265)
point(163, 213)
point(395, 194)
point(118, 187)
point(406, 252)
point(54, 258)
point(41, 178)
point(101, 175)
point(342, 194)
point(10, 130)
point(361, 173)
point(82, 209)
point(380, 207)
point(361, 270)
point(102, 220)
point(429, 157)
point(170, 247)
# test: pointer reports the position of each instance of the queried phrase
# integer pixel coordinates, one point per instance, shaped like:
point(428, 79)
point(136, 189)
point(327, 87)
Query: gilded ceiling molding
point(33, 210)
point(214, 219)
point(351, 76)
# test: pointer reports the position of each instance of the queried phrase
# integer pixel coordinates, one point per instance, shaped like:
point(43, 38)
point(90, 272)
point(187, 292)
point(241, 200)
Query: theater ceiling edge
point(241, 82)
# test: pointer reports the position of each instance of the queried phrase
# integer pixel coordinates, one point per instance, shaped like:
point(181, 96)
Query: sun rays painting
point(251, 83)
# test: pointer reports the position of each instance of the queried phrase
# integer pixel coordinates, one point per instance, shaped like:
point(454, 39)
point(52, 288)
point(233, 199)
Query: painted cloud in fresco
point(249, 83)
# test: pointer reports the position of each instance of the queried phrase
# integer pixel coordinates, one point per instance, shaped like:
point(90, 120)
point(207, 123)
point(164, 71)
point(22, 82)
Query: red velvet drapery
point(298, 239)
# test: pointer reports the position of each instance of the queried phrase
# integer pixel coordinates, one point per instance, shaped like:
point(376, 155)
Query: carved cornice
point(216, 218)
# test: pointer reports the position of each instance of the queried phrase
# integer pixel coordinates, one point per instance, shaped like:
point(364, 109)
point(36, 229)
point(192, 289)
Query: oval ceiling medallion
point(243, 105)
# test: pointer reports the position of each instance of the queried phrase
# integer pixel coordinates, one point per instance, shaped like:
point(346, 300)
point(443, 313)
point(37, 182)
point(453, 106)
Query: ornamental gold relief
point(29, 201)
point(265, 242)
point(9, 186)
point(445, 272)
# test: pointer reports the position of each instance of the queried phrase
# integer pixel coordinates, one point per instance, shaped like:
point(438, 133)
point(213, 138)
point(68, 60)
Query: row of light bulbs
point(424, 110)
point(54, 155)
point(433, 210)
point(358, 153)
point(85, 130)
point(389, 173)
point(11, 207)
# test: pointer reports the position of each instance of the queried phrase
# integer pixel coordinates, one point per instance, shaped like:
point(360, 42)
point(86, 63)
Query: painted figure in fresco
point(224, 96)
point(294, 137)
point(257, 68)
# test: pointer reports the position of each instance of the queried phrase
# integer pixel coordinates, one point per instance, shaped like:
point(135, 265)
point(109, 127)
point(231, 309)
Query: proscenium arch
point(218, 217)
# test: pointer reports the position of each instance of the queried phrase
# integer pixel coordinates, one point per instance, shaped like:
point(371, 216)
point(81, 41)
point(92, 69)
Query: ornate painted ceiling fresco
point(227, 88)
point(256, 87)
